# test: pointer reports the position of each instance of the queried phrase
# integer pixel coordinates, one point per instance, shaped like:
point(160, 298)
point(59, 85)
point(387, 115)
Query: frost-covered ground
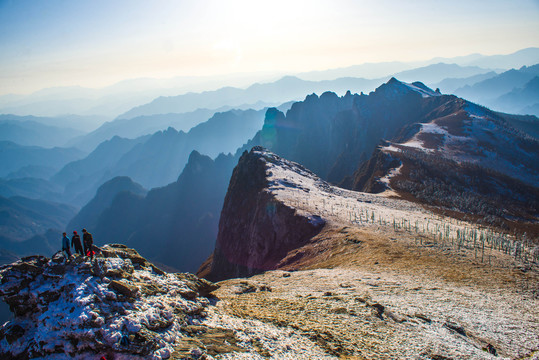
point(120, 307)
point(313, 197)
point(390, 281)
point(385, 314)
point(476, 137)
point(82, 309)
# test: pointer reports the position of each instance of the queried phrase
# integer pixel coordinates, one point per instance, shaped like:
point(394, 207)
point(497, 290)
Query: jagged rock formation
point(256, 230)
point(331, 135)
point(80, 307)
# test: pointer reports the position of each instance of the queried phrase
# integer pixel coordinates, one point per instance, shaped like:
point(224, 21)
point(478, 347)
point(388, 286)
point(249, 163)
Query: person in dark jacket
point(75, 242)
point(88, 242)
point(65, 245)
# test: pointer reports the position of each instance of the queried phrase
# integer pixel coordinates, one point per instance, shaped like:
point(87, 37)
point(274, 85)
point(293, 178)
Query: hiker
point(88, 242)
point(75, 242)
point(65, 245)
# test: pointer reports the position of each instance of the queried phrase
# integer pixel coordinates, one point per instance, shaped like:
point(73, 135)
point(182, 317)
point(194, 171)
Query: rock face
point(117, 304)
point(256, 230)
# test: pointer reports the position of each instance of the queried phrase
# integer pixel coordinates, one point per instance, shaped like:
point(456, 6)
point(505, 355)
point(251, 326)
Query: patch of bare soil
point(367, 293)
point(454, 123)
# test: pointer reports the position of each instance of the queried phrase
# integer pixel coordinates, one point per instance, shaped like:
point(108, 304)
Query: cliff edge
point(256, 230)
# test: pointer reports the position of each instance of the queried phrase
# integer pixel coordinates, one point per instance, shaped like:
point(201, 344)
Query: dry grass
point(339, 309)
point(365, 249)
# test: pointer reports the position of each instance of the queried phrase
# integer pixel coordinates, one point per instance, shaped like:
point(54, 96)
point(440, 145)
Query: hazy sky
point(95, 43)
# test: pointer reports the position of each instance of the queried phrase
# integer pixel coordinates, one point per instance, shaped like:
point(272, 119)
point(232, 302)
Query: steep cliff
point(256, 230)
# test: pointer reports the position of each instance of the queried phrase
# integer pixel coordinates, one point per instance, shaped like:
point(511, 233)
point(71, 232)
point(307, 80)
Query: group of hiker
point(87, 241)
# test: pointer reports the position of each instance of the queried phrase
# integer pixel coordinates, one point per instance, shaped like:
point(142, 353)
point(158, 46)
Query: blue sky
point(97, 43)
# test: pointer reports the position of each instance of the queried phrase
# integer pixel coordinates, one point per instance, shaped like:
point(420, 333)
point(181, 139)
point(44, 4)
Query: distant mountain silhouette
point(81, 178)
point(176, 224)
point(156, 160)
point(449, 85)
point(531, 109)
point(526, 57)
point(32, 171)
point(22, 218)
point(88, 216)
point(105, 156)
point(100, 105)
point(384, 70)
point(45, 244)
point(487, 91)
point(286, 89)
point(523, 57)
point(434, 73)
point(77, 123)
point(140, 126)
point(520, 99)
point(31, 133)
point(13, 157)
point(159, 160)
point(30, 187)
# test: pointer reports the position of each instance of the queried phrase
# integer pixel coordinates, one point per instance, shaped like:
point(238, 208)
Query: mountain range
point(338, 137)
point(403, 221)
point(14, 157)
point(489, 91)
point(181, 217)
point(157, 159)
point(345, 140)
point(28, 226)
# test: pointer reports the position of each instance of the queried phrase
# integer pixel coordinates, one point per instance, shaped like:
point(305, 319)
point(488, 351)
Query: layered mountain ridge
point(333, 136)
point(340, 272)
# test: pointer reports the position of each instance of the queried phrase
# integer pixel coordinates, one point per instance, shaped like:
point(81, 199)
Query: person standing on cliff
point(75, 242)
point(65, 245)
point(88, 242)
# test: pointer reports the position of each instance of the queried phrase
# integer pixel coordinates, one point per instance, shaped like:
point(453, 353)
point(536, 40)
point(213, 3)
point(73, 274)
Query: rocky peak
point(119, 303)
point(256, 230)
point(395, 88)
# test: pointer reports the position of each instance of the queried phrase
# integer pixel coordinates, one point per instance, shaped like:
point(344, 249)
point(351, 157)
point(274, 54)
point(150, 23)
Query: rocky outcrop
point(119, 303)
point(256, 230)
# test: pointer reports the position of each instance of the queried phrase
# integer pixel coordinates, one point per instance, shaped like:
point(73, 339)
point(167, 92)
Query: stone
point(423, 317)
point(455, 327)
point(123, 288)
point(202, 286)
